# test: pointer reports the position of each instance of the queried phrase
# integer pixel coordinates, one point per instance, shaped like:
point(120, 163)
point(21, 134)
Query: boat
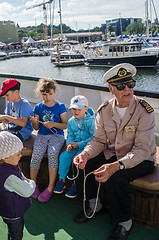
point(15, 54)
point(69, 63)
point(120, 52)
point(39, 52)
point(3, 55)
point(66, 55)
point(54, 219)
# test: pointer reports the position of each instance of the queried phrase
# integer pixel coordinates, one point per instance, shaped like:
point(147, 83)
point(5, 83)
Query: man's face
point(124, 96)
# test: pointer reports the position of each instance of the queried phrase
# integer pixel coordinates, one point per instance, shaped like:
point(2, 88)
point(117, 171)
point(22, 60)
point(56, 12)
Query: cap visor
point(76, 106)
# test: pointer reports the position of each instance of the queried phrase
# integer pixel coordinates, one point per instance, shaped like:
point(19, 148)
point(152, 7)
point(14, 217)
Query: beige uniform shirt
point(131, 140)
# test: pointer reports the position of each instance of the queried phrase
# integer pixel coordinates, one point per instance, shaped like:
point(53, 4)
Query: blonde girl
point(50, 119)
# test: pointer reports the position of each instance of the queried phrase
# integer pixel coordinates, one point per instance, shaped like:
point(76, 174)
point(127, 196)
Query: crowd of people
point(116, 145)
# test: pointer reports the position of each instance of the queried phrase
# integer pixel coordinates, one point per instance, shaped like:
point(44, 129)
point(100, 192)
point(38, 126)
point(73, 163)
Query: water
point(147, 79)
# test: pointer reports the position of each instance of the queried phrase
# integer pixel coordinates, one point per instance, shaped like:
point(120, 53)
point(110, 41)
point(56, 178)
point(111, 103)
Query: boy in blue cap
point(80, 130)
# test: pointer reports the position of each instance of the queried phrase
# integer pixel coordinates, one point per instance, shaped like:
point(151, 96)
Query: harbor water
point(147, 79)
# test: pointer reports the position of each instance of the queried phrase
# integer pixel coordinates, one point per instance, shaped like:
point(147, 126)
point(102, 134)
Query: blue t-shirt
point(18, 110)
point(49, 114)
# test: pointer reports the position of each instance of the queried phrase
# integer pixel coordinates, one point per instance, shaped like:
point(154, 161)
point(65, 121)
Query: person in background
point(80, 130)
point(18, 110)
point(50, 119)
point(122, 149)
point(15, 189)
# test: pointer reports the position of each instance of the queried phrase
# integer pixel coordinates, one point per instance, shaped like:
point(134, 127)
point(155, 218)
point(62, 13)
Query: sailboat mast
point(147, 18)
point(60, 19)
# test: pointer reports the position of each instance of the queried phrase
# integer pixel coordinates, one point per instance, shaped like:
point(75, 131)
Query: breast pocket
point(110, 133)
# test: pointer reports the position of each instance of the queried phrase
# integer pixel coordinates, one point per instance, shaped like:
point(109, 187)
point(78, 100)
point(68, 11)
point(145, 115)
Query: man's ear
point(111, 89)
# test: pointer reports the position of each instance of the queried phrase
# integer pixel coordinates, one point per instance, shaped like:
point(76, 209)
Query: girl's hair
point(45, 84)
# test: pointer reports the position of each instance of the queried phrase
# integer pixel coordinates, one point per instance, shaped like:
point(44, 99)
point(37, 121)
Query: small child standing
point(50, 119)
point(80, 130)
point(15, 189)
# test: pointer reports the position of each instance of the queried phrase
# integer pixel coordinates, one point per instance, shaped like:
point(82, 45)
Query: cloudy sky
point(78, 14)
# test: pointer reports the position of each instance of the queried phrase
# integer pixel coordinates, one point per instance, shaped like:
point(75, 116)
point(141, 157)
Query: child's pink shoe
point(36, 193)
point(45, 196)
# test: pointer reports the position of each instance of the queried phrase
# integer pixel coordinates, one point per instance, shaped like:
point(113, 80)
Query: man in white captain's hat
point(122, 149)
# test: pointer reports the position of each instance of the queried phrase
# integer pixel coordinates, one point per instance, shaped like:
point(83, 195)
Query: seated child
point(80, 130)
point(50, 119)
point(18, 110)
point(15, 189)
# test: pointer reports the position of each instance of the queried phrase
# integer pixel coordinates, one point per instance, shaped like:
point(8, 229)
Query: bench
point(144, 190)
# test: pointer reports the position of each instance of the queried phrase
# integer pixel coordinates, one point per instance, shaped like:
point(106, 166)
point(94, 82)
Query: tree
point(136, 27)
point(110, 28)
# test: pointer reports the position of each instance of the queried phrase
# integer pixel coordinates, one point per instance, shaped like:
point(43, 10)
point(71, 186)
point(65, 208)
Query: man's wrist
point(86, 153)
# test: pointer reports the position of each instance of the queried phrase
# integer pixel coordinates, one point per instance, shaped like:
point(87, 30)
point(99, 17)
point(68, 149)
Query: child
point(15, 189)
point(80, 130)
point(50, 118)
point(18, 110)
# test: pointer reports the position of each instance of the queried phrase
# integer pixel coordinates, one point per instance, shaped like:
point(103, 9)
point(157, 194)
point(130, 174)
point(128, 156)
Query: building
point(82, 36)
point(8, 32)
point(118, 25)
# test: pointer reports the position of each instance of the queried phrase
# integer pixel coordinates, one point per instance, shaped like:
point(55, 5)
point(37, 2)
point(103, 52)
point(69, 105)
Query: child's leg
point(54, 147)
point(65, 162)
point(40, 147)
point(15, 228)
point(52, 178)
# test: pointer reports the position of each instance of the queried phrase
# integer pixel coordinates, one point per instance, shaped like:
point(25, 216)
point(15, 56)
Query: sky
point(78, 14)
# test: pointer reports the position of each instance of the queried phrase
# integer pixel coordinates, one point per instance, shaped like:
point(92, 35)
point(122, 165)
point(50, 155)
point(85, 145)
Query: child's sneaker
point(71, 192)
point(59, 186)
point(36, 193)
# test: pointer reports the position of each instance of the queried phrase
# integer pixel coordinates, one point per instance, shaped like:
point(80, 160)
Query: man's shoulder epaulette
point(102, 105)
point(146, 105)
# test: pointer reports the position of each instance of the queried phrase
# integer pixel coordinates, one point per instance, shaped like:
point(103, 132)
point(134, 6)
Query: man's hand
point(103, 173)
point(81, 159)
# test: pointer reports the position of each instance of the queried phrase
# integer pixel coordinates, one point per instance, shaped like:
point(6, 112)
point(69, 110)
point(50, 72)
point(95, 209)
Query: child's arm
point(17, 121)
point(24, 188)
point(62, 125)
point(35, 121)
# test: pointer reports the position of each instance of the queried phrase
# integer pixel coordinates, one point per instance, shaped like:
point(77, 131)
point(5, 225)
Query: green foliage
point(38, 32)
point(110, 28)
point(136, 28)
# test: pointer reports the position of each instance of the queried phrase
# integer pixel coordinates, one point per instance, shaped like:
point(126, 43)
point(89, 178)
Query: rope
point(84, 191)
point(54, 131)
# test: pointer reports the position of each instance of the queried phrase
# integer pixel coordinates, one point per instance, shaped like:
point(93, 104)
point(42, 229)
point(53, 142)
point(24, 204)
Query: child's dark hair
point(16, 87)
point(45, 84)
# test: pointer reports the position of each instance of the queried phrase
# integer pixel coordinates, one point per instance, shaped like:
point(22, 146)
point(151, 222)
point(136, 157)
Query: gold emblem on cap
point(122, 72)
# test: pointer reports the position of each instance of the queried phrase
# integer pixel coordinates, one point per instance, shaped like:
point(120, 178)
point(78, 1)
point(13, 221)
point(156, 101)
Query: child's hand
point(48, 124)
point(3, 118)
point(74, 145)
point(27, 179)
point(69, 147)
point(34, 119)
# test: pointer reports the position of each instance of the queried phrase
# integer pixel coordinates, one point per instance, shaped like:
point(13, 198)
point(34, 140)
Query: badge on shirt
point(130, 128)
